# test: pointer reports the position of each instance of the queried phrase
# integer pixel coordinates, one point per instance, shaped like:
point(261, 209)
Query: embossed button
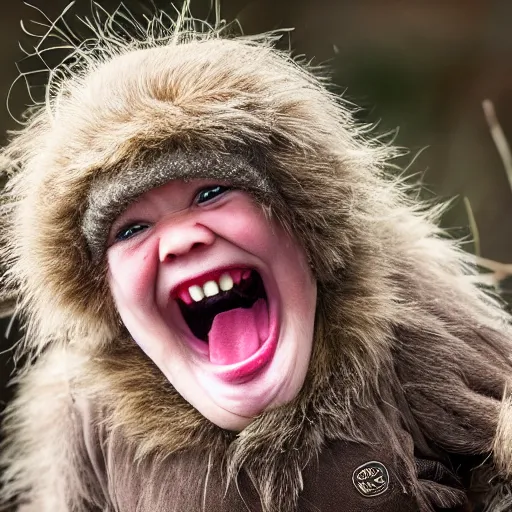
point(371, 479)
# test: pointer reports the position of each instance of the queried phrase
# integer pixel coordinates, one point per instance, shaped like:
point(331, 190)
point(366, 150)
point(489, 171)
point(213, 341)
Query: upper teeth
point(225, 282)
point(196, 292)
point(211, 288)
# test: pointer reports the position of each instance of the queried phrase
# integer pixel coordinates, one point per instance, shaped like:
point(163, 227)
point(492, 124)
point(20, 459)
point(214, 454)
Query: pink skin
point(182, 241)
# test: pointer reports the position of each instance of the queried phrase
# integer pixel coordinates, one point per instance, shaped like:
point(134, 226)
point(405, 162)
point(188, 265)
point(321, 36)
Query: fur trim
point(404, 338)
point(503, 441)
point(7, 295)
point(45, 462)
point(7, 303)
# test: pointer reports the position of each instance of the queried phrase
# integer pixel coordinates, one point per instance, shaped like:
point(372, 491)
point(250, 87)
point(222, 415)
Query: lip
point(243, 371)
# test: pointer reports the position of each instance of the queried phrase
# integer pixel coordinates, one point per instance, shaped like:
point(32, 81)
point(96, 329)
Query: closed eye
point(129, 231)
point(210, 193)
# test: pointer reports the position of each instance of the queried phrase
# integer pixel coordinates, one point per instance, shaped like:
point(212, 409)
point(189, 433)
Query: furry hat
point(400, 326)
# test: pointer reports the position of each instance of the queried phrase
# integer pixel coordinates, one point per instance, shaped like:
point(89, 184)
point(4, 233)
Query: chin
point(230, 421)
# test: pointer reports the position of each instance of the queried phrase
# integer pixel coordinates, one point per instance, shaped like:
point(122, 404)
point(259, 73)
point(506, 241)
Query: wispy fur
point(404, 339)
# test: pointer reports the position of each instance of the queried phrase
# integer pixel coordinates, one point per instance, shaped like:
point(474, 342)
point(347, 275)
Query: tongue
point(238, 333)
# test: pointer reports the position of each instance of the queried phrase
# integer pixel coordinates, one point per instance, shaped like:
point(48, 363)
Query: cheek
point(132, 275)
point(244, 223)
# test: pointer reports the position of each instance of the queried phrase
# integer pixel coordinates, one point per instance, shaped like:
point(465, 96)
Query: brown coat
point(330, 485)
point(345, 477)
point(76, 456)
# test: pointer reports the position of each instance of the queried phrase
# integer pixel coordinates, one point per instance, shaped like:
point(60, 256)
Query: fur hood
point(404, 339)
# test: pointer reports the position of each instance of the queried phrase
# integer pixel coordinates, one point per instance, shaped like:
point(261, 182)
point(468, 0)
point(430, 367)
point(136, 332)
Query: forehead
point(110, 195)
point(175, 194)
point(175, 190)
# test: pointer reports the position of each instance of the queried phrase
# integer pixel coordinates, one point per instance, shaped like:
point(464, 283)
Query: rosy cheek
point(244, 222)
point(132, 273)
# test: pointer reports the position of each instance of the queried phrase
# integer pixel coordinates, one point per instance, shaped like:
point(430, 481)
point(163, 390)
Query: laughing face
point(219, 297)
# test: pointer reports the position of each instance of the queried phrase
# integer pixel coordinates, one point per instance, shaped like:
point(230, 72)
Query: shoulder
point(45, 394)
point(44, 454)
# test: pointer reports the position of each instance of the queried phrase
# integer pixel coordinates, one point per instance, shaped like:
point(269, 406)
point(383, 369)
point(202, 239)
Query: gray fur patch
point(110, 195)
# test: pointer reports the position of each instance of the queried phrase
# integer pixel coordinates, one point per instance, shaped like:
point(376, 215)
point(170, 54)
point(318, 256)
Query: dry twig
point(499, 271)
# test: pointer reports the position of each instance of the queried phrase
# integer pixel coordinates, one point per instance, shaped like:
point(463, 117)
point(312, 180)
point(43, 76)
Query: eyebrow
point(109, 195)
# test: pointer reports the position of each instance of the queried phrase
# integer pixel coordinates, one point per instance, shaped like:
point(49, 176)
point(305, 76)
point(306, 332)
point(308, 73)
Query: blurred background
point(419, 67)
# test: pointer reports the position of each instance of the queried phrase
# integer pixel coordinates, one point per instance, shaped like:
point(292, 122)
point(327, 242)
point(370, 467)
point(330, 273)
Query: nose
point(181, 238)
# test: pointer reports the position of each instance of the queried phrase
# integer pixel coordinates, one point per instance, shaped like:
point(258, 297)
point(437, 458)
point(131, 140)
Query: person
point(229, 304)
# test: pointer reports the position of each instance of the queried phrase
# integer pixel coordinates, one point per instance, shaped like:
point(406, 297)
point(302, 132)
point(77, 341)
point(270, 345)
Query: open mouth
point(227, 309)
